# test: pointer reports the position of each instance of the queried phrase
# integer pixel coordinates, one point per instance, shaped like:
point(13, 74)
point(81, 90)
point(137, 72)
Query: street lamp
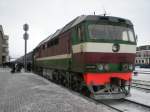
point(25, 37)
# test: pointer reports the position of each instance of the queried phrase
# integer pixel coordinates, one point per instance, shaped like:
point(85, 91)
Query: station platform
point(28, 92)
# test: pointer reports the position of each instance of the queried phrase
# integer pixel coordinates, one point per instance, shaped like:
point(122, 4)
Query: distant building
point(4, 52)
point(143, 56)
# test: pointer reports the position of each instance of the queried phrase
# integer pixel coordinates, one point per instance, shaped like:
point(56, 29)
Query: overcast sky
point(46, 16)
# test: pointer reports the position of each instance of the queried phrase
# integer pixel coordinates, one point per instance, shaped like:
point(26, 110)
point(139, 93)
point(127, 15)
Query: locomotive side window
point(43, 47)
point(53, 42)
point(80, 31)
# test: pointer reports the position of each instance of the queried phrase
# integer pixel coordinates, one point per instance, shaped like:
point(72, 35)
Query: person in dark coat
point(29, 66)
point(13, 70)
point(18, 67)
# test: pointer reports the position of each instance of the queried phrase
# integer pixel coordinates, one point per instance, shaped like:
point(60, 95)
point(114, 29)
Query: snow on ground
point(27, 92)
point(142, 69)
point(142, 76)
point(139, 96)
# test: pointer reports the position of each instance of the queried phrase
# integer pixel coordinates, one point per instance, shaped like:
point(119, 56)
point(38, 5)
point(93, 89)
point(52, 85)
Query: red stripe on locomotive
point(104, 78)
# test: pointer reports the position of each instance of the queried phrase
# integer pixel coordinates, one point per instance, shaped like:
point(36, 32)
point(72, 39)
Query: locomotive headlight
point(125, 67)
point(115, 47)
point(100, 67)
point(106, 67)
point(130, 67)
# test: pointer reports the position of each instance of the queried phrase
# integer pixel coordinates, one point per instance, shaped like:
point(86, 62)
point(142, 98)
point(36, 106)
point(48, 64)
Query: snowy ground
point(139, 95)
point(144, 75)
point(26, 92)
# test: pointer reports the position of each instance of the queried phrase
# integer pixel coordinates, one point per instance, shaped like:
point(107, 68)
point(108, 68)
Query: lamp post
point(25, 37)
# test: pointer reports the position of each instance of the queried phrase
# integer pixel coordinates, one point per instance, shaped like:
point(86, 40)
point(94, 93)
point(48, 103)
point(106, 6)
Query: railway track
point(143, 72)
point(122, 105)
point(142, 87)
point(141, 82)
point(125, 105)
point(97, 102)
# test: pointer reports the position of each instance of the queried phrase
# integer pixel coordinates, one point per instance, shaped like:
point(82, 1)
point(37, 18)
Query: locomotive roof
point(82, 18)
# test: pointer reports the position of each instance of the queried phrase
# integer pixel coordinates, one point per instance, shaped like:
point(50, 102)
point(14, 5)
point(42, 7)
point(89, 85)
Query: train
point(93, 55)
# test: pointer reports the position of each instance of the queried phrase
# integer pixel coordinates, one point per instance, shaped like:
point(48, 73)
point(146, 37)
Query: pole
point(25, 36)
point(25, 60)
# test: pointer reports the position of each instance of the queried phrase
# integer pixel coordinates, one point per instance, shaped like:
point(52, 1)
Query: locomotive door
point(69, 49)
point(77, 60)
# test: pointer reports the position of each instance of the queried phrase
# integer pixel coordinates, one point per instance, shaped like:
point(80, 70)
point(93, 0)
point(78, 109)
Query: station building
point(143, 56)
point(4, 52)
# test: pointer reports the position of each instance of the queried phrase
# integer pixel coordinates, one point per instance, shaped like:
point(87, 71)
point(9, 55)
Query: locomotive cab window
point(125, 35)
point(109, 32)
point(131, 36)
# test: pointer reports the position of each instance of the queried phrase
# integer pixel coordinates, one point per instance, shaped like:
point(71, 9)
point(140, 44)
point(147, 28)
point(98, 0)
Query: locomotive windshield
point(109, 32)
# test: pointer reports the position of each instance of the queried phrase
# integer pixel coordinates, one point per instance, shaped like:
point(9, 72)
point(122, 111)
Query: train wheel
point(54, 76)
point(85, 91)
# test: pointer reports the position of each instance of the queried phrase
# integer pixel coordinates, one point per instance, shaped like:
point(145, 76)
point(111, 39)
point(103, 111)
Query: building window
point(139, 61)
point(143, 61)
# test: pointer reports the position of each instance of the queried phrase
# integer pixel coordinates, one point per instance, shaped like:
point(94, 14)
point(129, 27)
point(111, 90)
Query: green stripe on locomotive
point(62, 64)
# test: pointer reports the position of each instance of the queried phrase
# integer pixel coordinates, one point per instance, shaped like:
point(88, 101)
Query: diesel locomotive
point(92, 54)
